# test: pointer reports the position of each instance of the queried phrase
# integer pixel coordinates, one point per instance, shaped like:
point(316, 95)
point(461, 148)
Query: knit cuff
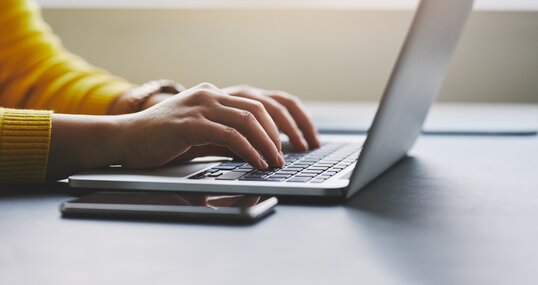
point(24, 145)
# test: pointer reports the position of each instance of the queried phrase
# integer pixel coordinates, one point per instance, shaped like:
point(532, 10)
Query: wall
point(315, 54)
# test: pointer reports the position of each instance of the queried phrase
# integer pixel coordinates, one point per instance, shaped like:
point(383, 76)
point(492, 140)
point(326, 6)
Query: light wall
point(315, 54)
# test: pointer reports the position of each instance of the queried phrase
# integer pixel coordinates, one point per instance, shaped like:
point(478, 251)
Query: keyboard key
point(225, 167)
point(317, 168)
point(292, 168)
point(301, 165)
point(252, 178)
point(242, 170)
point(285, 172)
point(215, 174)
point(246, 167)
point(254, 175)
point(276, 179)
point(317, 180)
point(262, 172)
point(306, 175)
point(312, 171)
point(281, 175)
point(299, 179)
point(198, 176)
point(323, 164)
point(236, 163)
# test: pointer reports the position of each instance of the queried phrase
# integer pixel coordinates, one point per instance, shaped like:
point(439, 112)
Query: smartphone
point(159, 205)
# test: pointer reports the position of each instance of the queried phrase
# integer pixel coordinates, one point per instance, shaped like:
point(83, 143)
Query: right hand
point(203, 116)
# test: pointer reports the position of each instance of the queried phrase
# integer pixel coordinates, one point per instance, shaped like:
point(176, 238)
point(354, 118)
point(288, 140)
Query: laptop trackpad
point(118, 173)
point(182, 170)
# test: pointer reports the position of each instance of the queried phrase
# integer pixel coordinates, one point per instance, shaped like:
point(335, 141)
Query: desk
point(459, 210)
point(443, 118)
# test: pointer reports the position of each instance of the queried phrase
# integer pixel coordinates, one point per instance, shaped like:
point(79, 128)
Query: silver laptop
point(343, 164)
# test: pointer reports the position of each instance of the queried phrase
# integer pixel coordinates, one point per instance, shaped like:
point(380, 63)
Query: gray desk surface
point(460, 210)
point(443, 118)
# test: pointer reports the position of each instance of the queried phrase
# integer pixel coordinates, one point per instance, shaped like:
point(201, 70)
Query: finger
point(259, 111)
point(240, 201)
point(298, 112)
point(213, 150)
point(223, 201)
point(206, 131)
point(170, 86)
point(195, 199)
point(247, 124)
point(282, 118)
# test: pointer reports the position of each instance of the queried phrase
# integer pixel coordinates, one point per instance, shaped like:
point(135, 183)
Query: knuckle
point(248, 117)
point(206, 85)
point(244, 88)
point(230, 133)
point(258, 107)
point(204, 95)
point(281, 94)
point(196, 113)
point(288, 97)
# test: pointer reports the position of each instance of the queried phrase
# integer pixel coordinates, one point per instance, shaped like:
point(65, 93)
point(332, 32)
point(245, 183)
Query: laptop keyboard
point(314, 166)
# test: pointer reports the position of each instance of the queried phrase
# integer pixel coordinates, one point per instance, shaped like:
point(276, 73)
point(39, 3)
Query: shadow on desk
point(396, 215)
point(432, 225)
point(400, 192)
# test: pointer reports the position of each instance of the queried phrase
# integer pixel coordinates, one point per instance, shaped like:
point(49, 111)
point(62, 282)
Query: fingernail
point(305, 144)
point(280, 159)
point(263, 163)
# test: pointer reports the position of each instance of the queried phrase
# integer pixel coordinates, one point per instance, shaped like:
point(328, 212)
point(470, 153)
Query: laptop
point(343, 164)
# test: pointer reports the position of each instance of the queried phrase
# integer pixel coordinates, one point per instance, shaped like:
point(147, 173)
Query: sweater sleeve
point(24, 145)
point(36, 72)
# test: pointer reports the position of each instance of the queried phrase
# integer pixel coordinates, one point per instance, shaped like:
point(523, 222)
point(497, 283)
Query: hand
point(286, 110)
point(200, 116)
point(144, 96)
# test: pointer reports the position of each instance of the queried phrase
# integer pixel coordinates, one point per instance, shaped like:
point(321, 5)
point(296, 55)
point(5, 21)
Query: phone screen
point(170, 205)
point(172, 199)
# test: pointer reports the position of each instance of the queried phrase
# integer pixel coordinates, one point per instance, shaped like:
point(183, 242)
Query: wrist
point(122, 105)
point(144, 96)
point(123, 127)
point(80, 142)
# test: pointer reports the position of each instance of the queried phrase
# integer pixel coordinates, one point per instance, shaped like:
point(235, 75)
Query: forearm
point(42, 74)
point(80, 142)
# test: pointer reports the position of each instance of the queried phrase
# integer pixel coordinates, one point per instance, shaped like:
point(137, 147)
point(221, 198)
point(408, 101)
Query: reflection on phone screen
point(172, 199)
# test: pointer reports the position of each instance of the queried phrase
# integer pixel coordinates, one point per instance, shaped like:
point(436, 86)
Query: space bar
point(230, 176)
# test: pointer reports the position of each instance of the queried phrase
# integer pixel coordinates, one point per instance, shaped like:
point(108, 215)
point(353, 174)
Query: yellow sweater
point(36, 72)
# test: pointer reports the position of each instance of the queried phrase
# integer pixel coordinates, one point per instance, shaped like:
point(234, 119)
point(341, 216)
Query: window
point(263, 4)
